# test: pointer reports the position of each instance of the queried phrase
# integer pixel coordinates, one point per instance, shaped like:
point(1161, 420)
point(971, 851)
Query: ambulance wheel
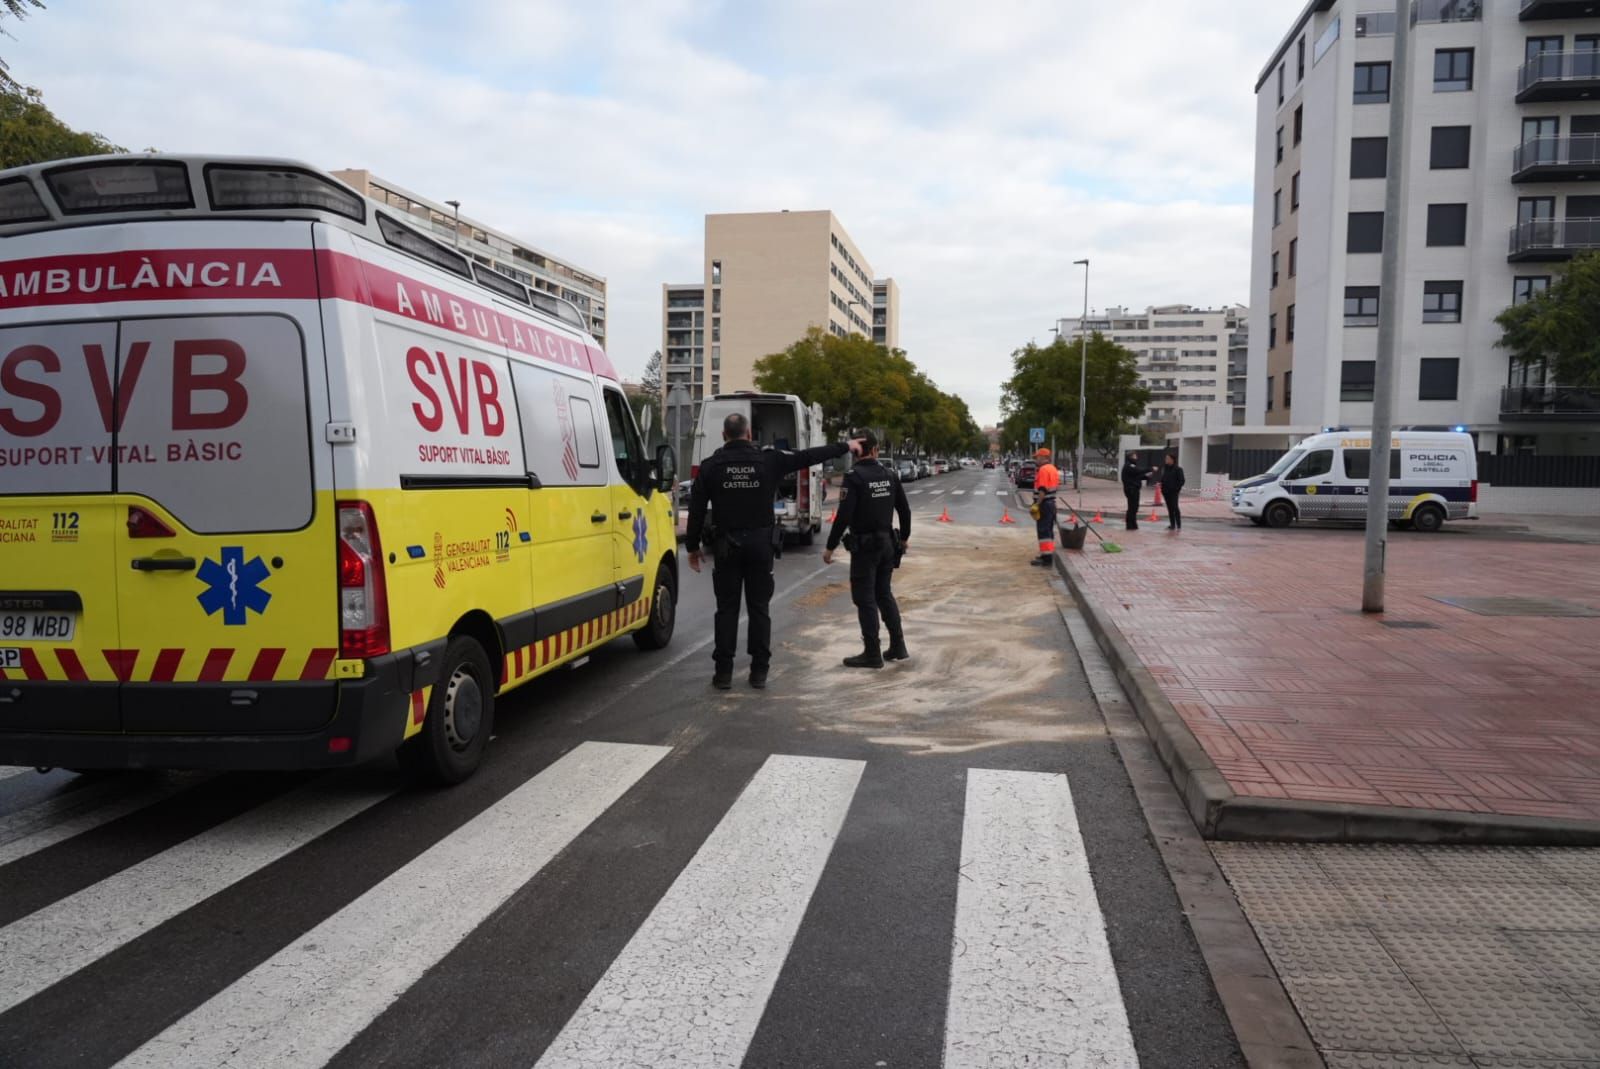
point(1427, 518)
point(1279, 514)
point(460, 718)
point(657, 632)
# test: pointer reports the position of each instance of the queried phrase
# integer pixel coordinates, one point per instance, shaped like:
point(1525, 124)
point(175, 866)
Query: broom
point(1109, 547)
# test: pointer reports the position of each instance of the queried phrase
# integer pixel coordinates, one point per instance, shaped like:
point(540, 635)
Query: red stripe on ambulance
point(318, 663)
point(69, 664)
point(266, 666)
point(166, 669)
point(216, 666)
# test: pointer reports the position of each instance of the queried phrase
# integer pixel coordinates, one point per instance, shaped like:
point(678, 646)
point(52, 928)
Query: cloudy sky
point(972, 150)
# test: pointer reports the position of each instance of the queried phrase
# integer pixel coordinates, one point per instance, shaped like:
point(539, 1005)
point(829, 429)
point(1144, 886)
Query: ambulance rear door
point(58, 607)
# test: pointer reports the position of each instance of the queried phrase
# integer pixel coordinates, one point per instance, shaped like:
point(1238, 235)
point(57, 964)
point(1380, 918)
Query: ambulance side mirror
point(666, 468)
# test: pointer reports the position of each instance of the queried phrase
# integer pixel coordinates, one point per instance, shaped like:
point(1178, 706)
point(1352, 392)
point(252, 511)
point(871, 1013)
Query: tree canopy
point(17, 9)
point(1043, 392)
point(1561, 326)
point(30, 133)
point(860, 383)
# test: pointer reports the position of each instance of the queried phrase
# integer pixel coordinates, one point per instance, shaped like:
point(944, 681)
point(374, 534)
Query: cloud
point(973, 152)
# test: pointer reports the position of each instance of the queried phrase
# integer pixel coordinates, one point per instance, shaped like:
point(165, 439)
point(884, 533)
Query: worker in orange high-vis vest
point(1046, 481)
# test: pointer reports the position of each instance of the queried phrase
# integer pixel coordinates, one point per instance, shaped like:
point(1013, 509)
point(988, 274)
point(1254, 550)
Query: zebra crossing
point(1031, 980)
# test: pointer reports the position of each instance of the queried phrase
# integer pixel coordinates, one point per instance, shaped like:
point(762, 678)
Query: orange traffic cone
point(1152, 518)
point(1006, 518)
point(944, 517)
point(834, 515)
point(1072, 519)
point(1158, 494)
point(1097, 518)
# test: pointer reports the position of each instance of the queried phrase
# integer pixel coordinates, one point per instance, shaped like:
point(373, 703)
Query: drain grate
point(1411, 625)
point(1520, 606)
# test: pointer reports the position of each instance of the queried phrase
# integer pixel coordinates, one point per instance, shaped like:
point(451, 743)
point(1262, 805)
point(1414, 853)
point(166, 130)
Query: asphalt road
point(848, 869)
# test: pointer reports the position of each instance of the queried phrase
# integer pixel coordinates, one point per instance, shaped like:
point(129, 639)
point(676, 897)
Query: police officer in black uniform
point(1133, 477)
point(740, 482)
point(871, 499)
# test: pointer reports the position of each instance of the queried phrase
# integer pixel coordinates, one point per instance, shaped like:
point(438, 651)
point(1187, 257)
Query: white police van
point(1433, 476)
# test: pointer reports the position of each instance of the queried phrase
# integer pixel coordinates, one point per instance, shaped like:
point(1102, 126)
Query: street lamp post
point(1083, 378)
point(456, 226)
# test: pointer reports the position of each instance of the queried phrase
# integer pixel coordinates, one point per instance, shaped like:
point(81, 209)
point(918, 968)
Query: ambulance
point(287, 483)
point(1433, 477)
point(779, 421)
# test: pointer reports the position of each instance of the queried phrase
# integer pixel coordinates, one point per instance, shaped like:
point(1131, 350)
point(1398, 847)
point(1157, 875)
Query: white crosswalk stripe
point(52, 943)
point(309, 1000)
point(1033, 983)
point(7, 771)
point(690, 988)
point(957, 492)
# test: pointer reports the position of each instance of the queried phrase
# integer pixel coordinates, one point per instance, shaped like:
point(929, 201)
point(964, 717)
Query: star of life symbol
point(641, 536)
point(233, 585)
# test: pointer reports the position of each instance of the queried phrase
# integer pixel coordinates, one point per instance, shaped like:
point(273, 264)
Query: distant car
point(1025, 474)
point(988, 463)
point(940, 467)
point(907, 470)
point(924, 469)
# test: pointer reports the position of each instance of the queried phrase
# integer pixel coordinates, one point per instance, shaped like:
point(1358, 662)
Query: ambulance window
point(217, 430)
point(1317, 462)
point(625, 445)
point(583, 425)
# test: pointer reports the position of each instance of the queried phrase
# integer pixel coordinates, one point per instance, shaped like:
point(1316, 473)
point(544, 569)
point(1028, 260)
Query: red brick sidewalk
point(1256, 638)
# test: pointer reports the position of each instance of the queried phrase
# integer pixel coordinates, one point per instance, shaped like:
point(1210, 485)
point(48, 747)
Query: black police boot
point(869, 657)
point(897, 648)
point(758, 677)
point(723, 679)
point(1041, 561)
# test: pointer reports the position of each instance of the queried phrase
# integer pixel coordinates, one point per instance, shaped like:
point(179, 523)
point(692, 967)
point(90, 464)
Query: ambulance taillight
point(363, 601)
point(1474, 497)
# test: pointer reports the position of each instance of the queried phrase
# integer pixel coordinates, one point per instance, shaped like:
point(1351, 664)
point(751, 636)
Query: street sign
point(1036, 435)
point(646, 417)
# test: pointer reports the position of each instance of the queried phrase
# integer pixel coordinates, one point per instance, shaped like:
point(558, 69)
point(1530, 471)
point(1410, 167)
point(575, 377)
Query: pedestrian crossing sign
point(1036, 435)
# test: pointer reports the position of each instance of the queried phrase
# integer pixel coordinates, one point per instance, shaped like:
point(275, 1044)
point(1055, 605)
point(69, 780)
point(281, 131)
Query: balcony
point(1557, 159)
point(1534, 10)
point(1446, 11)
point(1559, 76)
point(1549, 403)
point(1544, 240)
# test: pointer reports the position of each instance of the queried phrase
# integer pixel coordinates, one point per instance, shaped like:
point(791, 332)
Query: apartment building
point(493, 248)
point(1501, 185)
point(1183, 354)
point(768, 278)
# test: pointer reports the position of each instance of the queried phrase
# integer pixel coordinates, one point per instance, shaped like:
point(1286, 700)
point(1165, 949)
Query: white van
point(285, 482)
point(779, 421)
point(1433, 476)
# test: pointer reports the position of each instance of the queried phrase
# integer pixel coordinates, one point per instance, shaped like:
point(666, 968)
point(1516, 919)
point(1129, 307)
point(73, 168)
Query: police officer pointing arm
point(872, 498)
point(739, 483)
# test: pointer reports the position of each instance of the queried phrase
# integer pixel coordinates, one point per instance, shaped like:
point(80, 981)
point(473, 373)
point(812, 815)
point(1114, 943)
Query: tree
point(650, 379)
point(17, 9)
point(1560, 328)
point(1043, 392)
point(29, 133)
point(858, 383)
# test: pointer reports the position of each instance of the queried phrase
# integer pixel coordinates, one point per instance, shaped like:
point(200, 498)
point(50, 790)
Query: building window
point(1299, 122)
point(1441, 302)
point(716, 330)
point(1356, 378)
point(1288, 331)
point(1369, 157)
point(1269, 393)
point(1280, 82)
point(716, 272)
point(1300, 62)
point(1294, 256)
point(1274, 269)
point(1294, 192)
point(1452, 70)
point(1272, 331)
point(716, 300)
point(1361, 306)
point(1288, 388)
point(1451, 148)
point(1438, 379)
point(1525, 288)
point(1447, 224)
point(1371, 84)
point(1280, 145)
point(1365, 232)
point(1277, 206)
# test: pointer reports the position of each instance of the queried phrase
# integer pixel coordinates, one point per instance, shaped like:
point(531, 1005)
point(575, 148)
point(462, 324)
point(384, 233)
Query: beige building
point(768, 278)
point(494, 248)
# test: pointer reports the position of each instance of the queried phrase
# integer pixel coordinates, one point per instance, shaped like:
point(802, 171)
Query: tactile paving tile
point(1569, 960)
point(1540, 1063)
point(1367, 1059)
point(1505, 1022)
point(1331, 953)
point(1476, 864)
point(1418, 903)
point(1576, 867)
point(1551, 906)
point(1354, 1015)
point(1462, 957)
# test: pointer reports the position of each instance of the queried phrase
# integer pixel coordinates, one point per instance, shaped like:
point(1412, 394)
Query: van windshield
point(1287, 461)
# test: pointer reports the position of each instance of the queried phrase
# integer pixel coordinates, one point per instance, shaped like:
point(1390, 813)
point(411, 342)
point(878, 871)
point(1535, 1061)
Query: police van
point(777, 421)
point(1433, 476)
point(287, 483)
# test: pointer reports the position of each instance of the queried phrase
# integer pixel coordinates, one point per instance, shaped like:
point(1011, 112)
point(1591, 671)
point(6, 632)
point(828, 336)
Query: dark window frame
point(1362, 157)
point(1369, 301)
point(1439, 378)
point(1521, 294)
point(1364, 233)
point(1441, 301)
point(1364, 91)
point(1360, 385)
point(1456, 80)
point(1444, 153)
point(1447, 225)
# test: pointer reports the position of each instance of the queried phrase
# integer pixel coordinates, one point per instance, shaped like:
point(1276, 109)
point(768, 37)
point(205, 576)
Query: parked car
point(924, 469)
point(1025, 474)
point(907, 470)
point(940, 467)
point(988, 464)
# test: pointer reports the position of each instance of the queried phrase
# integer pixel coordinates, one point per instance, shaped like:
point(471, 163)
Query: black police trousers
point(1132, 494)
point(743, 567)
point(871, 575)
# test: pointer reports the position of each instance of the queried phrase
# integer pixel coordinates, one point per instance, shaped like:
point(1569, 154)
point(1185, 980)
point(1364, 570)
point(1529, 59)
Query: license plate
point(37, 627)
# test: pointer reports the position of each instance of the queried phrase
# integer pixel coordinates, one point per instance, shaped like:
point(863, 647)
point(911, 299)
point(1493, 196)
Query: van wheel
point(1427, 518)
point(656, 633)
point(1279, 514)
point(460, 718)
